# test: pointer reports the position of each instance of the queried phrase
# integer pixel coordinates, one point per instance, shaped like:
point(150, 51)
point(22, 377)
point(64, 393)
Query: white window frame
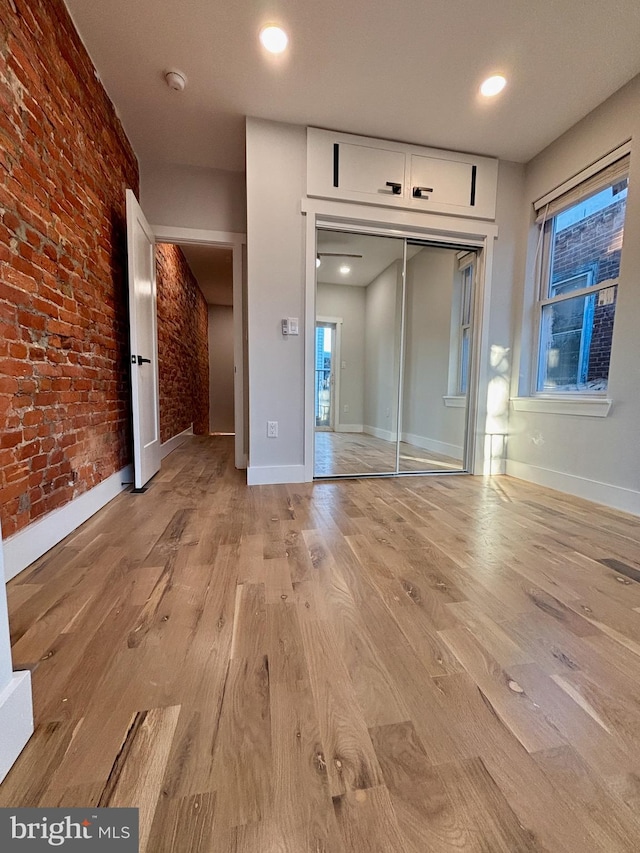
point(543, 275)
point(467, 274)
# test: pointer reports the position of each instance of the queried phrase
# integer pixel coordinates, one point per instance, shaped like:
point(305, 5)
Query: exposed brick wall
point(594, 245)
point(64, 166)
point(183, 346)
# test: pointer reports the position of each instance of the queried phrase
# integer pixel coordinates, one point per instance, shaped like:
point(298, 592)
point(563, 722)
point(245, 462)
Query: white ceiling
point(377, 254)
point(398, 70)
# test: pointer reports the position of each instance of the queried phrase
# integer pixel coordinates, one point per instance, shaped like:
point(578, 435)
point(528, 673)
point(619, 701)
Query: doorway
point(230, 249)
point(326, 383)
point(407, 309)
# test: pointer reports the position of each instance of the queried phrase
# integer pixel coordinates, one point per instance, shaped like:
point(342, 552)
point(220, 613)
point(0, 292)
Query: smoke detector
point(175, 80)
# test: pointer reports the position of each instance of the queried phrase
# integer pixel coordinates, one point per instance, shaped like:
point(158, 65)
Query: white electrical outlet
point(272, 429)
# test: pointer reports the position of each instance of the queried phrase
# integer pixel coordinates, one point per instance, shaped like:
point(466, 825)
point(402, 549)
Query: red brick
point(65, 204)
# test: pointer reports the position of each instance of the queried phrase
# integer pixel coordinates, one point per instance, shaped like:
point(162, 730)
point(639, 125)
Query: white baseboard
point(173, 443)
point(376, 432)
point(349, 428)
point(453, 450)
point(16, 719)
point(269, 475)
point(21, 549)
point(617, 497)
point(435, 446)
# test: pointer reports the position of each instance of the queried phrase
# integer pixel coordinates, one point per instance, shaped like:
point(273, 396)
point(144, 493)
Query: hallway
point(371, 666)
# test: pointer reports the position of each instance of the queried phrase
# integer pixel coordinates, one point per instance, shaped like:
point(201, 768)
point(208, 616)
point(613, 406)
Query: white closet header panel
point(394, 174)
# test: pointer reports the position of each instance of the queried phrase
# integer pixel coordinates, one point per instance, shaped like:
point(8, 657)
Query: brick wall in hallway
point(183, 348)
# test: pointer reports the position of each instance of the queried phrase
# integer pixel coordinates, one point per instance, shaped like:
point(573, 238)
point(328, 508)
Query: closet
point(394, 334)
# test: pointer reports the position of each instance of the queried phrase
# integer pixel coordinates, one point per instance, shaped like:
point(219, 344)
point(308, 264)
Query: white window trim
point(567, 399)
point(583, 406)
point(455, 401)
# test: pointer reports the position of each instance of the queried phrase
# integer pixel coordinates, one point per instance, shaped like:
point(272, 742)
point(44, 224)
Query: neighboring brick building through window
point(578, 294)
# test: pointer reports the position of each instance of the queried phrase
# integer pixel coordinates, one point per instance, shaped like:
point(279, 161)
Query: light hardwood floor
point(359, 453)
point(373, 666)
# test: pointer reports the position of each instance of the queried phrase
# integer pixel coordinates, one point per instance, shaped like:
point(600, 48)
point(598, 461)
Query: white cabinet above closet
point(374, 171)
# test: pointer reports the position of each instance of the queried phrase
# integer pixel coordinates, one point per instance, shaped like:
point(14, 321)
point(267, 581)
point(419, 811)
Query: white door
point(143, 335)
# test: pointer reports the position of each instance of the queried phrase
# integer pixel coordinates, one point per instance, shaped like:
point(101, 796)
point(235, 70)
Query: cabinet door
point(372, 171)
point(392, 174)
point(435, 182)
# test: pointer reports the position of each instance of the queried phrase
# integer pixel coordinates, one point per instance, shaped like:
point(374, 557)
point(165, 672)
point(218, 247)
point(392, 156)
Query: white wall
point(348, 303)
point(506, 281)
point(221, 368)
point(276, 183)
point(594, 457)
point(193, 197)
point(430, 280)
point(276, 179)
point(382, 352)
point(16, 710)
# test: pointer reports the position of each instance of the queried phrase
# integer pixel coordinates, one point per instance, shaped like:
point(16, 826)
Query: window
point(465, 329)
point(460, 330)
point(582, 233)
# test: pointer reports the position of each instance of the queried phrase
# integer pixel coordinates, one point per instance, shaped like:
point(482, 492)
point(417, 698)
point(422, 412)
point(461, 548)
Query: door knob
point(417, 191)
point(396, 189)
point(142, 360)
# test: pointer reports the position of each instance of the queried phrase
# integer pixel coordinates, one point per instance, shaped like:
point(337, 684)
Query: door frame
point(436, 228)
point(236, 242)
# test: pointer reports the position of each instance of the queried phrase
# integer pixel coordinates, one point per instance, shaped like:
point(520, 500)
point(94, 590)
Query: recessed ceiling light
point(345, 270)
point(274, 39)
point(493, 85)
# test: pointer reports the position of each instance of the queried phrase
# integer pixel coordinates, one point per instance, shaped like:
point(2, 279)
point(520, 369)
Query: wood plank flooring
point(376, 666)
point(359, 453)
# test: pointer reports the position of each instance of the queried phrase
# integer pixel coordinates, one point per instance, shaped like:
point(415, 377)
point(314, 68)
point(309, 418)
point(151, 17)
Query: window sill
point(456, 402)
point(590, 407)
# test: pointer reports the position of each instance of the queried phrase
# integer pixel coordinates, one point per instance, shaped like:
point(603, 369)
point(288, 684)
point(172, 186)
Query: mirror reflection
point(391, 357)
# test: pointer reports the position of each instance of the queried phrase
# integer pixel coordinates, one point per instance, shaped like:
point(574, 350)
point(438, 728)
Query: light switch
point(293, 325)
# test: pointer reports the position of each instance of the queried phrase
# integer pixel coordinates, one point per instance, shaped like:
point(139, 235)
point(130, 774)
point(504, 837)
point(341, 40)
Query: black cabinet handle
point(138, 359)
point(396, 189)
point(417, 191)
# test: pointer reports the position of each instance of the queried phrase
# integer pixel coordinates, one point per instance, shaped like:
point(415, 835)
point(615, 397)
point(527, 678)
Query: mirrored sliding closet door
point(392, 355)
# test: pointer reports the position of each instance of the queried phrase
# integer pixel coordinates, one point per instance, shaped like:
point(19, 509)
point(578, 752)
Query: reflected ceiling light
point(344, 269)
point(274, 39)
point(318, 261)
point(493, 85)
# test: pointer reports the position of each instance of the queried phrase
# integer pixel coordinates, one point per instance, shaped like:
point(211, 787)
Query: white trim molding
point(272, 475)
point(349, 428)
point(174, 443)
point(378, 432)
point(588, 407)
point(16, 719)
point(616, 497)
point(21, 549)
point(173, 234)
point(455, 451)
point(452, 401)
